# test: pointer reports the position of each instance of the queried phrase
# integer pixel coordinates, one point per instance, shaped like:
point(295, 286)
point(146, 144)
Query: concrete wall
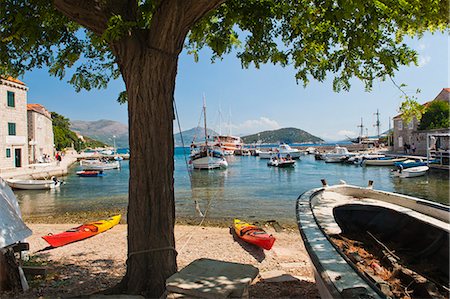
point(17, 115)
point(40, 136)
point(403, 133)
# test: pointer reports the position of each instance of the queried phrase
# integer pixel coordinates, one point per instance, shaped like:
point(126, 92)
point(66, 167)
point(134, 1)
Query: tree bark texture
point(148, 61)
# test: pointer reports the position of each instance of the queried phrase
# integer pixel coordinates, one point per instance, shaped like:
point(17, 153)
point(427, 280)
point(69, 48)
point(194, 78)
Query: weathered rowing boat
point(253, 234)
point(375, 244)
point(81, 232)
point(33, 184)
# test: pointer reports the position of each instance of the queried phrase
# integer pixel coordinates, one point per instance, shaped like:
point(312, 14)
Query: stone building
point(13, 124)
point(40, 133)
point(407, 133)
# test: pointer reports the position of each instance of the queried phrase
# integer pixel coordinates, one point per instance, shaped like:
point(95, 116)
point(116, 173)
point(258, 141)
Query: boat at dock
point(386, 161)
point(90, 173)
point(228, 143)
point(337, 155)
point(99, 165)
point(282, 151)
point(366, 243)
point(34, 184)
point(411, 171)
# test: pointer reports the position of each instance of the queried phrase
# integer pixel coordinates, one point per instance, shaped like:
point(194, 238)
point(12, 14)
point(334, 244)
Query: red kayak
point(81, 232)
point(253, 234)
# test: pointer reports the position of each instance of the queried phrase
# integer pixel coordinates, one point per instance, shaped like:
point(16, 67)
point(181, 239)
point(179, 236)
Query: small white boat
point(411, 172)
point(204, 157)
point(338, 154)
point(366, 243)
point(360, 158)
point(101, 165)
point(283, 151)
point(281, 163)
point(33, 184)
point(387, 161)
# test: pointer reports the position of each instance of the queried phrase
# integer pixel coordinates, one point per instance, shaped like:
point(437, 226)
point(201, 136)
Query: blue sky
point(261, 99)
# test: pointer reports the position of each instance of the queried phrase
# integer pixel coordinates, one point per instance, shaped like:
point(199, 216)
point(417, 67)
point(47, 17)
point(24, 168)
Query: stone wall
point(17, 115)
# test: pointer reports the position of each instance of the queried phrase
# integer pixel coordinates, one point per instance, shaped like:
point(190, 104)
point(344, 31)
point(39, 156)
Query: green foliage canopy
point(361, 39)
point(436, 116)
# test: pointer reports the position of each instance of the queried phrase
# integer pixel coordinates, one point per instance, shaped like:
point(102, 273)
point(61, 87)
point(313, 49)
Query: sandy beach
point(97, 263)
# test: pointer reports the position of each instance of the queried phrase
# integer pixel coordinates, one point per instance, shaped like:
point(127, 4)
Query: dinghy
point(253, 234)
point(411, 172)
point(34, 184)
point(366, 243)
point(387, 161)
point(81, 232)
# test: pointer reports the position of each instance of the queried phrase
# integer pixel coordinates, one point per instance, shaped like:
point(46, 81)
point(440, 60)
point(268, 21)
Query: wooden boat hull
point(209, 163)
point(33, 184)
point(253, 234)
point(382, 162)
point(414, 225)
point(81, 232)
point(90, 173)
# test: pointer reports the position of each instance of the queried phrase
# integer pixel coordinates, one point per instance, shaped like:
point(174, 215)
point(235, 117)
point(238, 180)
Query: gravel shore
point(97, 263)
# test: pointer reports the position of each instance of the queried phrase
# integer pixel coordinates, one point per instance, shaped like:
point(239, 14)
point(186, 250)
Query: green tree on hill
point(141, 41)
point(436, 116)
point(63, 136)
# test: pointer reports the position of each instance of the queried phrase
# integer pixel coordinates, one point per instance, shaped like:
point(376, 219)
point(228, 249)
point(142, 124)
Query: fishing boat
point(337, 155)
point(101, 165)
point(366, 243)
point(90, 173)
point(411, 172)
point(34, 184)
point(204, 155)
point(253, 234)
point(414, 163)
point(283, 151)
point(386, 161)
point(281, 163)
point(228, 143)
point(81, 232)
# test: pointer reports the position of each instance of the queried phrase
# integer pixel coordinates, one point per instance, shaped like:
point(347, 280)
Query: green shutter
point(8, 153)
point(11, 129)
point(11, 99)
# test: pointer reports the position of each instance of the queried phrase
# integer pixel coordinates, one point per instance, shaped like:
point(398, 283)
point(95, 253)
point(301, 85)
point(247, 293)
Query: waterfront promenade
point(41, 170)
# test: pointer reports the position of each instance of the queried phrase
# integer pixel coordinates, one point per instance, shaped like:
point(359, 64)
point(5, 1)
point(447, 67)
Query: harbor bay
point(248, 188)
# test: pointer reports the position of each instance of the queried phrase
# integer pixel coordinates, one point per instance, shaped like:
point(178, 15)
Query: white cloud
point(255, 125)
point(424, 60)
point(422, 46)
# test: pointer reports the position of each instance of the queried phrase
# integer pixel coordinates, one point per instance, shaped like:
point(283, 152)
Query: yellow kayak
point(107, 223)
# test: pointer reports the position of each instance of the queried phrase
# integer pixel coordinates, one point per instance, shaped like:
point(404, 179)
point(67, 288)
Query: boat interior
point(404, 256)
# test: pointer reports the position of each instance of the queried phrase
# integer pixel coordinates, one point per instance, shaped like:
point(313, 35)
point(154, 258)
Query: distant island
point(102, 130)
point(286, 135)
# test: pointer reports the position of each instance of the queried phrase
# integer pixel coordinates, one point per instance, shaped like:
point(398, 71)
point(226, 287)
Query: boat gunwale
point(304, 201)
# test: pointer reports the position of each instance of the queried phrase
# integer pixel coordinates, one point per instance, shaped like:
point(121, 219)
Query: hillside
point(102, 130)
point(188, 136)
point(287, 135)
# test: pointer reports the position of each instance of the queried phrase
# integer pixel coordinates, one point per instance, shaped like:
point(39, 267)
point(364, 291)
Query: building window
point(8, 153)
point(400, 125)
point(400, 141)
point(411, 124)
point(11, 129)
point(11, 99)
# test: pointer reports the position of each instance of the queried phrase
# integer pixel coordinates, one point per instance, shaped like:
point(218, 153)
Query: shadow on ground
point(255, 251)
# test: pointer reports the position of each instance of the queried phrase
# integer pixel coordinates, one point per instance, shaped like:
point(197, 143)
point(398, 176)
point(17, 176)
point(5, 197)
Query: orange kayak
point(253, 234)
point(81, 232)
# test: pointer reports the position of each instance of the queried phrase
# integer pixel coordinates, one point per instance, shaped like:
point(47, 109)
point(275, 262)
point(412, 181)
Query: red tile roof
point(39, 109)
point(440, 96)
point(9, 78)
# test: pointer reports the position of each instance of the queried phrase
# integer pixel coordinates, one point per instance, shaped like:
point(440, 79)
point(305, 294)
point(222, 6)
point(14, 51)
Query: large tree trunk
point(149, 75)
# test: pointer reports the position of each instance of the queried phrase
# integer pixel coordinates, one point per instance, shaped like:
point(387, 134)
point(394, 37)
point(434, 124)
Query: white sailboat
point(204, 156)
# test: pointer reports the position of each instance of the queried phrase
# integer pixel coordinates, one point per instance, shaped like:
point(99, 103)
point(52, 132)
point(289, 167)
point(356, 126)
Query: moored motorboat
point(81, 232)
point(373, 243)
point(282, 151)
point(253, 234)
point(411, 172)
point(106, 165)
point(386, 161)
point(281, 163)
point(90, 173)
point(34, 184)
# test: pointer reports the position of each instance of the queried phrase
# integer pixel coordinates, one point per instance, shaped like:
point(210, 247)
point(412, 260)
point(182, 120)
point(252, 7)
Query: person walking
point(413, 148)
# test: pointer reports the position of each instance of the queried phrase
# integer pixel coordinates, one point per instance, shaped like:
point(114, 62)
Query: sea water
point(248, 189)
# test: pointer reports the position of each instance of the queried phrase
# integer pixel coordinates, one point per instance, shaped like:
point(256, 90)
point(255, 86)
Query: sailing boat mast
point(204, 117)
